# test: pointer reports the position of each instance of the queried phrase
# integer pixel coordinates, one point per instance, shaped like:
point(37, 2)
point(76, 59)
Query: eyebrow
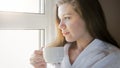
point(65, 14)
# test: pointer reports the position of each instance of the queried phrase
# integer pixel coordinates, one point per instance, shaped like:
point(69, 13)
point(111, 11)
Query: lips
point(65, 33)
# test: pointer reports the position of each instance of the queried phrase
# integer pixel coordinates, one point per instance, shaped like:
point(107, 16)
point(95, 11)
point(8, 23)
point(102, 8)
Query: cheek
point(78, 28)
point(76, 31)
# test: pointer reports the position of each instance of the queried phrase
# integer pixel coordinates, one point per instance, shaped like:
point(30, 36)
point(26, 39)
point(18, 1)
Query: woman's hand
point(37, 59)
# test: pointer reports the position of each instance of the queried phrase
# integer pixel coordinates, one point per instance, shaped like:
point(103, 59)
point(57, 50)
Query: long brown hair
point(92, 13)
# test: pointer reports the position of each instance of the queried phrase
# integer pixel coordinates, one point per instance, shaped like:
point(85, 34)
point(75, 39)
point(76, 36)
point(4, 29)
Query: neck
point(81, 44)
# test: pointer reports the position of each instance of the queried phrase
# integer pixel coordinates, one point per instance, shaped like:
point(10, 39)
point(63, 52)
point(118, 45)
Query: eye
point(67, 18)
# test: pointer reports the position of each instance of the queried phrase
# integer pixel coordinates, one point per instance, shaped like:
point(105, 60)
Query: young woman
point(83, 33)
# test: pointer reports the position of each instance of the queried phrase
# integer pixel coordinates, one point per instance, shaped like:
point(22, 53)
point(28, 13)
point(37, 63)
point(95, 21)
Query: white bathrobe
point(97, 54)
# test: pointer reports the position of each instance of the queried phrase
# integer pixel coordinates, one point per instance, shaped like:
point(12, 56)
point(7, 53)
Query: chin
point(70, 40)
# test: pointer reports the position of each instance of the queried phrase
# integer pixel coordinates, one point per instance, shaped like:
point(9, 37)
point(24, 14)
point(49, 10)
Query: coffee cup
point(53, 54)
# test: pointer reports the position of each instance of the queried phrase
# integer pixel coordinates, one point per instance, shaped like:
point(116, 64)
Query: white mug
point(53, 54)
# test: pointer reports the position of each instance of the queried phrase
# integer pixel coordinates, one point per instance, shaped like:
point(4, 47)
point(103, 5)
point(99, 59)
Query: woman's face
point(72, 25)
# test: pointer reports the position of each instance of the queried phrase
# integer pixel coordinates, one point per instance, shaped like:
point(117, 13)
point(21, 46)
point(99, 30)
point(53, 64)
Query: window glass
point(16, 47)
point(29, 6)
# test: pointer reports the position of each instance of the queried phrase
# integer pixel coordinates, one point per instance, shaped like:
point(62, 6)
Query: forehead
point(65, 9)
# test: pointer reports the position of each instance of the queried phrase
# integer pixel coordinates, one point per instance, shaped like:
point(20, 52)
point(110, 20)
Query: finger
point(39, 52)
point(36, 62)
point(40, 65)
point(36, 58)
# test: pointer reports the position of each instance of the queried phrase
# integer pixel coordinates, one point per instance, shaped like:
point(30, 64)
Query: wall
point(112, 12)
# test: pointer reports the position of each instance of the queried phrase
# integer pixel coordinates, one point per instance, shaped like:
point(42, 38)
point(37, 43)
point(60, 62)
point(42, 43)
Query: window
point(16, 47)
point(29, 6)
point(27, 26)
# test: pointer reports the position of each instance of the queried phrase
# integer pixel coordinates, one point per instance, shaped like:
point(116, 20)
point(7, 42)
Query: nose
point(62, 25)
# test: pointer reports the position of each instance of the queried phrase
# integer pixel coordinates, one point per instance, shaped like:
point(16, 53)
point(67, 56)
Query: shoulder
point(104, 47)
point(111, 50)
point(110, 61)
point(110, 58)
